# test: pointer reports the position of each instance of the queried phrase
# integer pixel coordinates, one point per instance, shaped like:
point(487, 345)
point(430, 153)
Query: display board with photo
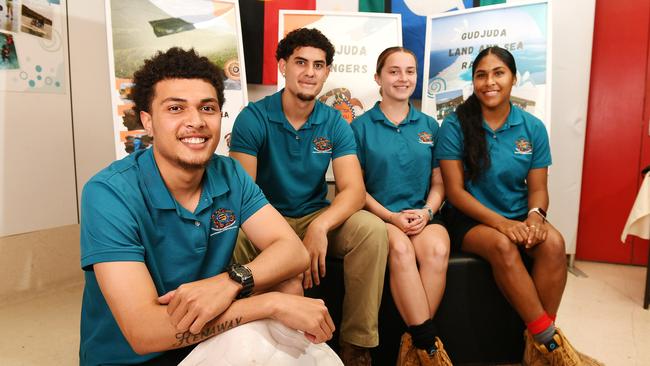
point(137, 30)
point(32, 46)
point(454, 39)
point(358, 39)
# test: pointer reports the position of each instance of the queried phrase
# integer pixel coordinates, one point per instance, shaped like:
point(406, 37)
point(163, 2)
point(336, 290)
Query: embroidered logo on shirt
point(223, 219)
point(322, 146)
point(523, 146)
point(425, 138)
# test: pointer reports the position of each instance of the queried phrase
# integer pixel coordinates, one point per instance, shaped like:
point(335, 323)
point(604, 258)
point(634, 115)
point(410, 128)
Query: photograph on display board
point(447, 101)
point(139, 29)
point(36, 20)
point(9, 15)
point(358, 39)
point(8, 52)
point(525, 104)
point(454, 39)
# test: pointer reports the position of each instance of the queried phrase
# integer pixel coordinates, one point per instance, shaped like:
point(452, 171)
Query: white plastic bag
point(264, 342)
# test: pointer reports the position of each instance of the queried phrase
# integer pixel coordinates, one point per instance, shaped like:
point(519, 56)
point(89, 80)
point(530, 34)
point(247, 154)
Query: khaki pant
point(362, 242)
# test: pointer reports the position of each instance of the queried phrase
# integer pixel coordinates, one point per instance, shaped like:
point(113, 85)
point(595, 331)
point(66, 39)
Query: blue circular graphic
point(39, 68)
point(39, 77)
point(57, 84)
point(436, 85)
point(32, 83)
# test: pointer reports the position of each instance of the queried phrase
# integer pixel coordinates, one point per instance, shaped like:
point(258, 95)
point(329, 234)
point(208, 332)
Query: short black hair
point(175, 63)
point(304, 37)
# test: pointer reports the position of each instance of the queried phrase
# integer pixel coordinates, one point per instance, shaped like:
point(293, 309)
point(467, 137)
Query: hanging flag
point(259, 22)
point(376, 6)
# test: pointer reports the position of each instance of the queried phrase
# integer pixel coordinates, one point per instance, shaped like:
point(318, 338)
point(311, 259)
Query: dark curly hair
point(175, 63)
point(475, 154)
point(304, 37)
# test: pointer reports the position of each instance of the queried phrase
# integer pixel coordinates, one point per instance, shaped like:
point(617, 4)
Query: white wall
point(91, 106)
point(37, 173)
point(572, 35)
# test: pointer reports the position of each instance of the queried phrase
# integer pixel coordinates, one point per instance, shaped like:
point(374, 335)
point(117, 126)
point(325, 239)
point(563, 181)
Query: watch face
point(242, 273)
point(243, 276)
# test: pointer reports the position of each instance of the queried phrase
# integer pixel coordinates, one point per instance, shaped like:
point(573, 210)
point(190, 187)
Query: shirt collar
point(213, 185)
point(378, 116)
point(276, 113)
point(515, 117)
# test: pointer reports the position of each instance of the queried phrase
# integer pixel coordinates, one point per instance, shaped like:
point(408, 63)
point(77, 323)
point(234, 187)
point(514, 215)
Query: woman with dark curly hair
point(494, 159)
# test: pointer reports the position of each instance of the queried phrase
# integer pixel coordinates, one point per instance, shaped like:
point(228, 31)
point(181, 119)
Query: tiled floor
point(601, 314)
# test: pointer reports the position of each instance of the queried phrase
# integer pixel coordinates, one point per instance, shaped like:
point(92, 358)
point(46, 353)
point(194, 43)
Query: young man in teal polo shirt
point(286, 142)
point(158, 229)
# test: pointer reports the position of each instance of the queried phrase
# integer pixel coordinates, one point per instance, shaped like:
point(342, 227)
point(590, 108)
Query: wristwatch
point(538, 210)
point(243, 276)
point(430, 211)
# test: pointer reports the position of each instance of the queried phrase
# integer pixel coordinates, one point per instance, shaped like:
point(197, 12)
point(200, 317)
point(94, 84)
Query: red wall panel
point(615, 120)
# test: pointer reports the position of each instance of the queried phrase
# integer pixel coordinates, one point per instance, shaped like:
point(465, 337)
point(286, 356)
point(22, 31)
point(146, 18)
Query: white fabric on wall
point(638, 223)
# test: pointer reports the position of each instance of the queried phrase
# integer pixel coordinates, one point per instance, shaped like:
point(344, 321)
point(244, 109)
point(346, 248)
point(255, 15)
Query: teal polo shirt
point(397, 160)
point(128, 214)
point(291, 165)
point(520, 145)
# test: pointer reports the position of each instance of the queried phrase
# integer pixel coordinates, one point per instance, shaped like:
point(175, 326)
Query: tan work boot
point(352, 355)
point(437, 358)
point(407, 352)
point(532, 356)
point(588, 360)
point(564, 354)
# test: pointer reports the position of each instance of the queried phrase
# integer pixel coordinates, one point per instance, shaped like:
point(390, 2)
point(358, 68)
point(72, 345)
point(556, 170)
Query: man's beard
point(193, 165)
point(306, 97)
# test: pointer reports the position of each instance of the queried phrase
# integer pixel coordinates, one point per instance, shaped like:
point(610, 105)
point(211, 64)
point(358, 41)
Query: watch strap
point(539, 211)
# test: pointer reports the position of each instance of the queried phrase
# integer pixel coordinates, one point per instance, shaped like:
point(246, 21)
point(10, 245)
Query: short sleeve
point(252, 198)
point(450, 140)
point(247, 132)
point(342, 138)
point(109, 231)
point(541, 147)
point(359, 139)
